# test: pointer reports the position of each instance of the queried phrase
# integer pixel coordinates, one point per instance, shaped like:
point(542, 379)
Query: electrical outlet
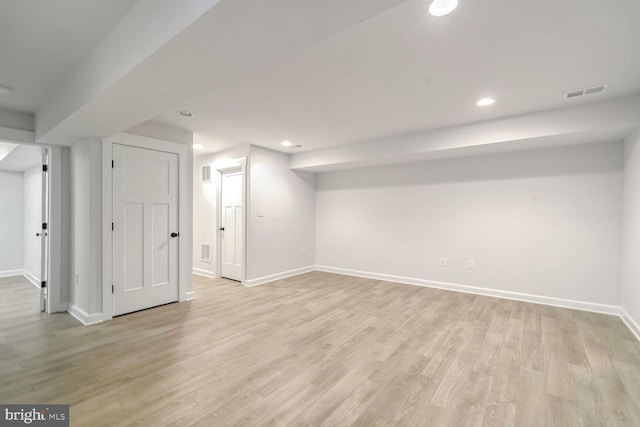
point(471, 264)
point(443, 262)
point(304, 251)
point(77, 279)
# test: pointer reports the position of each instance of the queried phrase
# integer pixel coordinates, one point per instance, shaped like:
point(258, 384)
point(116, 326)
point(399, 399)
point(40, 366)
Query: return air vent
point(584, 91)
point(206, 173)
point(205, 252)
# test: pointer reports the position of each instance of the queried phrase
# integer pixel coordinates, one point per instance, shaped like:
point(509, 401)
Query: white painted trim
point(191, 296)
point(204, 273)
point(517, 296)
point(107, 235)
point(631, 323)
point(31, 278)
point(273, 277)
point(84, 318)
point(11, 273)
point(55, 251)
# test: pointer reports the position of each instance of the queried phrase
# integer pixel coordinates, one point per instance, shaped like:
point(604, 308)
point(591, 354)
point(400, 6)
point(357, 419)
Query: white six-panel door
point(145, 214)
point(232, 225)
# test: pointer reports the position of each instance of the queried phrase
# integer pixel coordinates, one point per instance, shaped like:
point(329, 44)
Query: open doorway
point(23, 226)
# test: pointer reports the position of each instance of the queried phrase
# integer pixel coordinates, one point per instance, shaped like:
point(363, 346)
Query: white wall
point(11, 223)
point(284, 239)
point(631, 245)
point(280, 242)
point(86, 226)
point(32, 222)
point(204, 207)
point(544, 222)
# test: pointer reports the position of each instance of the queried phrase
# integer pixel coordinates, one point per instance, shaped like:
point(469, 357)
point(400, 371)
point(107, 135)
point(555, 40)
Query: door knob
point(175, 234)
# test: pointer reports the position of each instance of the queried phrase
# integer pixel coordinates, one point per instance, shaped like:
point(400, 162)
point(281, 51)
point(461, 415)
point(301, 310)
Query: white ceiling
point(42, 42)
point(21, 158)
point(327, 75)
point(406, 71)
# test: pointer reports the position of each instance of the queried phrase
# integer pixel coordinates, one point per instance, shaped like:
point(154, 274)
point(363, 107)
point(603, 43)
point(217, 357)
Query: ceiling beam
point(604, 121)
point(164, 53)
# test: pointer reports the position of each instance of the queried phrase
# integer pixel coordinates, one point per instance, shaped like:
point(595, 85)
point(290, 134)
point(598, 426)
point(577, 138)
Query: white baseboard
point(273, 277)
point(536, 299)
point(32, 278)
point(11, 273)
point(83, 317)
point(204, 273)
point(190, 296)
point(631, 323)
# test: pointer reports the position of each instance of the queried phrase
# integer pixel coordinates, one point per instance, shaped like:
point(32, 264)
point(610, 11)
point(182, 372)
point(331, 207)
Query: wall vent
point(206, 173)
point(205, 252)
point(585, 91)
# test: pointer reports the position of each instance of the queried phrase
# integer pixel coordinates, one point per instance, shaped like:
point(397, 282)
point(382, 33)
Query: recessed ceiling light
point(198, 146)
point(442, 7)
point(5, 89)
point(484, 102)
point(286, 143)
point(185, 113)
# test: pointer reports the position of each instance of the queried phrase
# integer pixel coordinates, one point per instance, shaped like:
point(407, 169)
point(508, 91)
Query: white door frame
point(239, 164)
point(55, 232)
point(44, 232)
point(184, 217)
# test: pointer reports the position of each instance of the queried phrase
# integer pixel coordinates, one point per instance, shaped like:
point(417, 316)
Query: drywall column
point(59, 243)
point(631, 239)
point(86, 230)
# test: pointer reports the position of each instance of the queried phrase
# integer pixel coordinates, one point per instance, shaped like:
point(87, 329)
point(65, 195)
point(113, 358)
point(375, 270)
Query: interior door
point(145, 228)
point(44, 234)
point(232, 225)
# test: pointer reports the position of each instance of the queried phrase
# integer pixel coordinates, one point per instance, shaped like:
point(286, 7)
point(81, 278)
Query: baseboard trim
point(11, 273)
point(517, 296)
point(204, 273)
point(631, 323)
point(190, 296)
point(273, 277)
point(84, 318)
point(30, 277)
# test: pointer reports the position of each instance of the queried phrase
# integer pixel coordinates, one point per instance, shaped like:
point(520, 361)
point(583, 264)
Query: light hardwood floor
point(323, 349)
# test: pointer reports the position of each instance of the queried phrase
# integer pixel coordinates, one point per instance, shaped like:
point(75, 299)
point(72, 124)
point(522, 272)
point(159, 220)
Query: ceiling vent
point(585, 91)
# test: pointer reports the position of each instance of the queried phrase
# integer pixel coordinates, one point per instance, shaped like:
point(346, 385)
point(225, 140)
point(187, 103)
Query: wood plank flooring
point(322, 349)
